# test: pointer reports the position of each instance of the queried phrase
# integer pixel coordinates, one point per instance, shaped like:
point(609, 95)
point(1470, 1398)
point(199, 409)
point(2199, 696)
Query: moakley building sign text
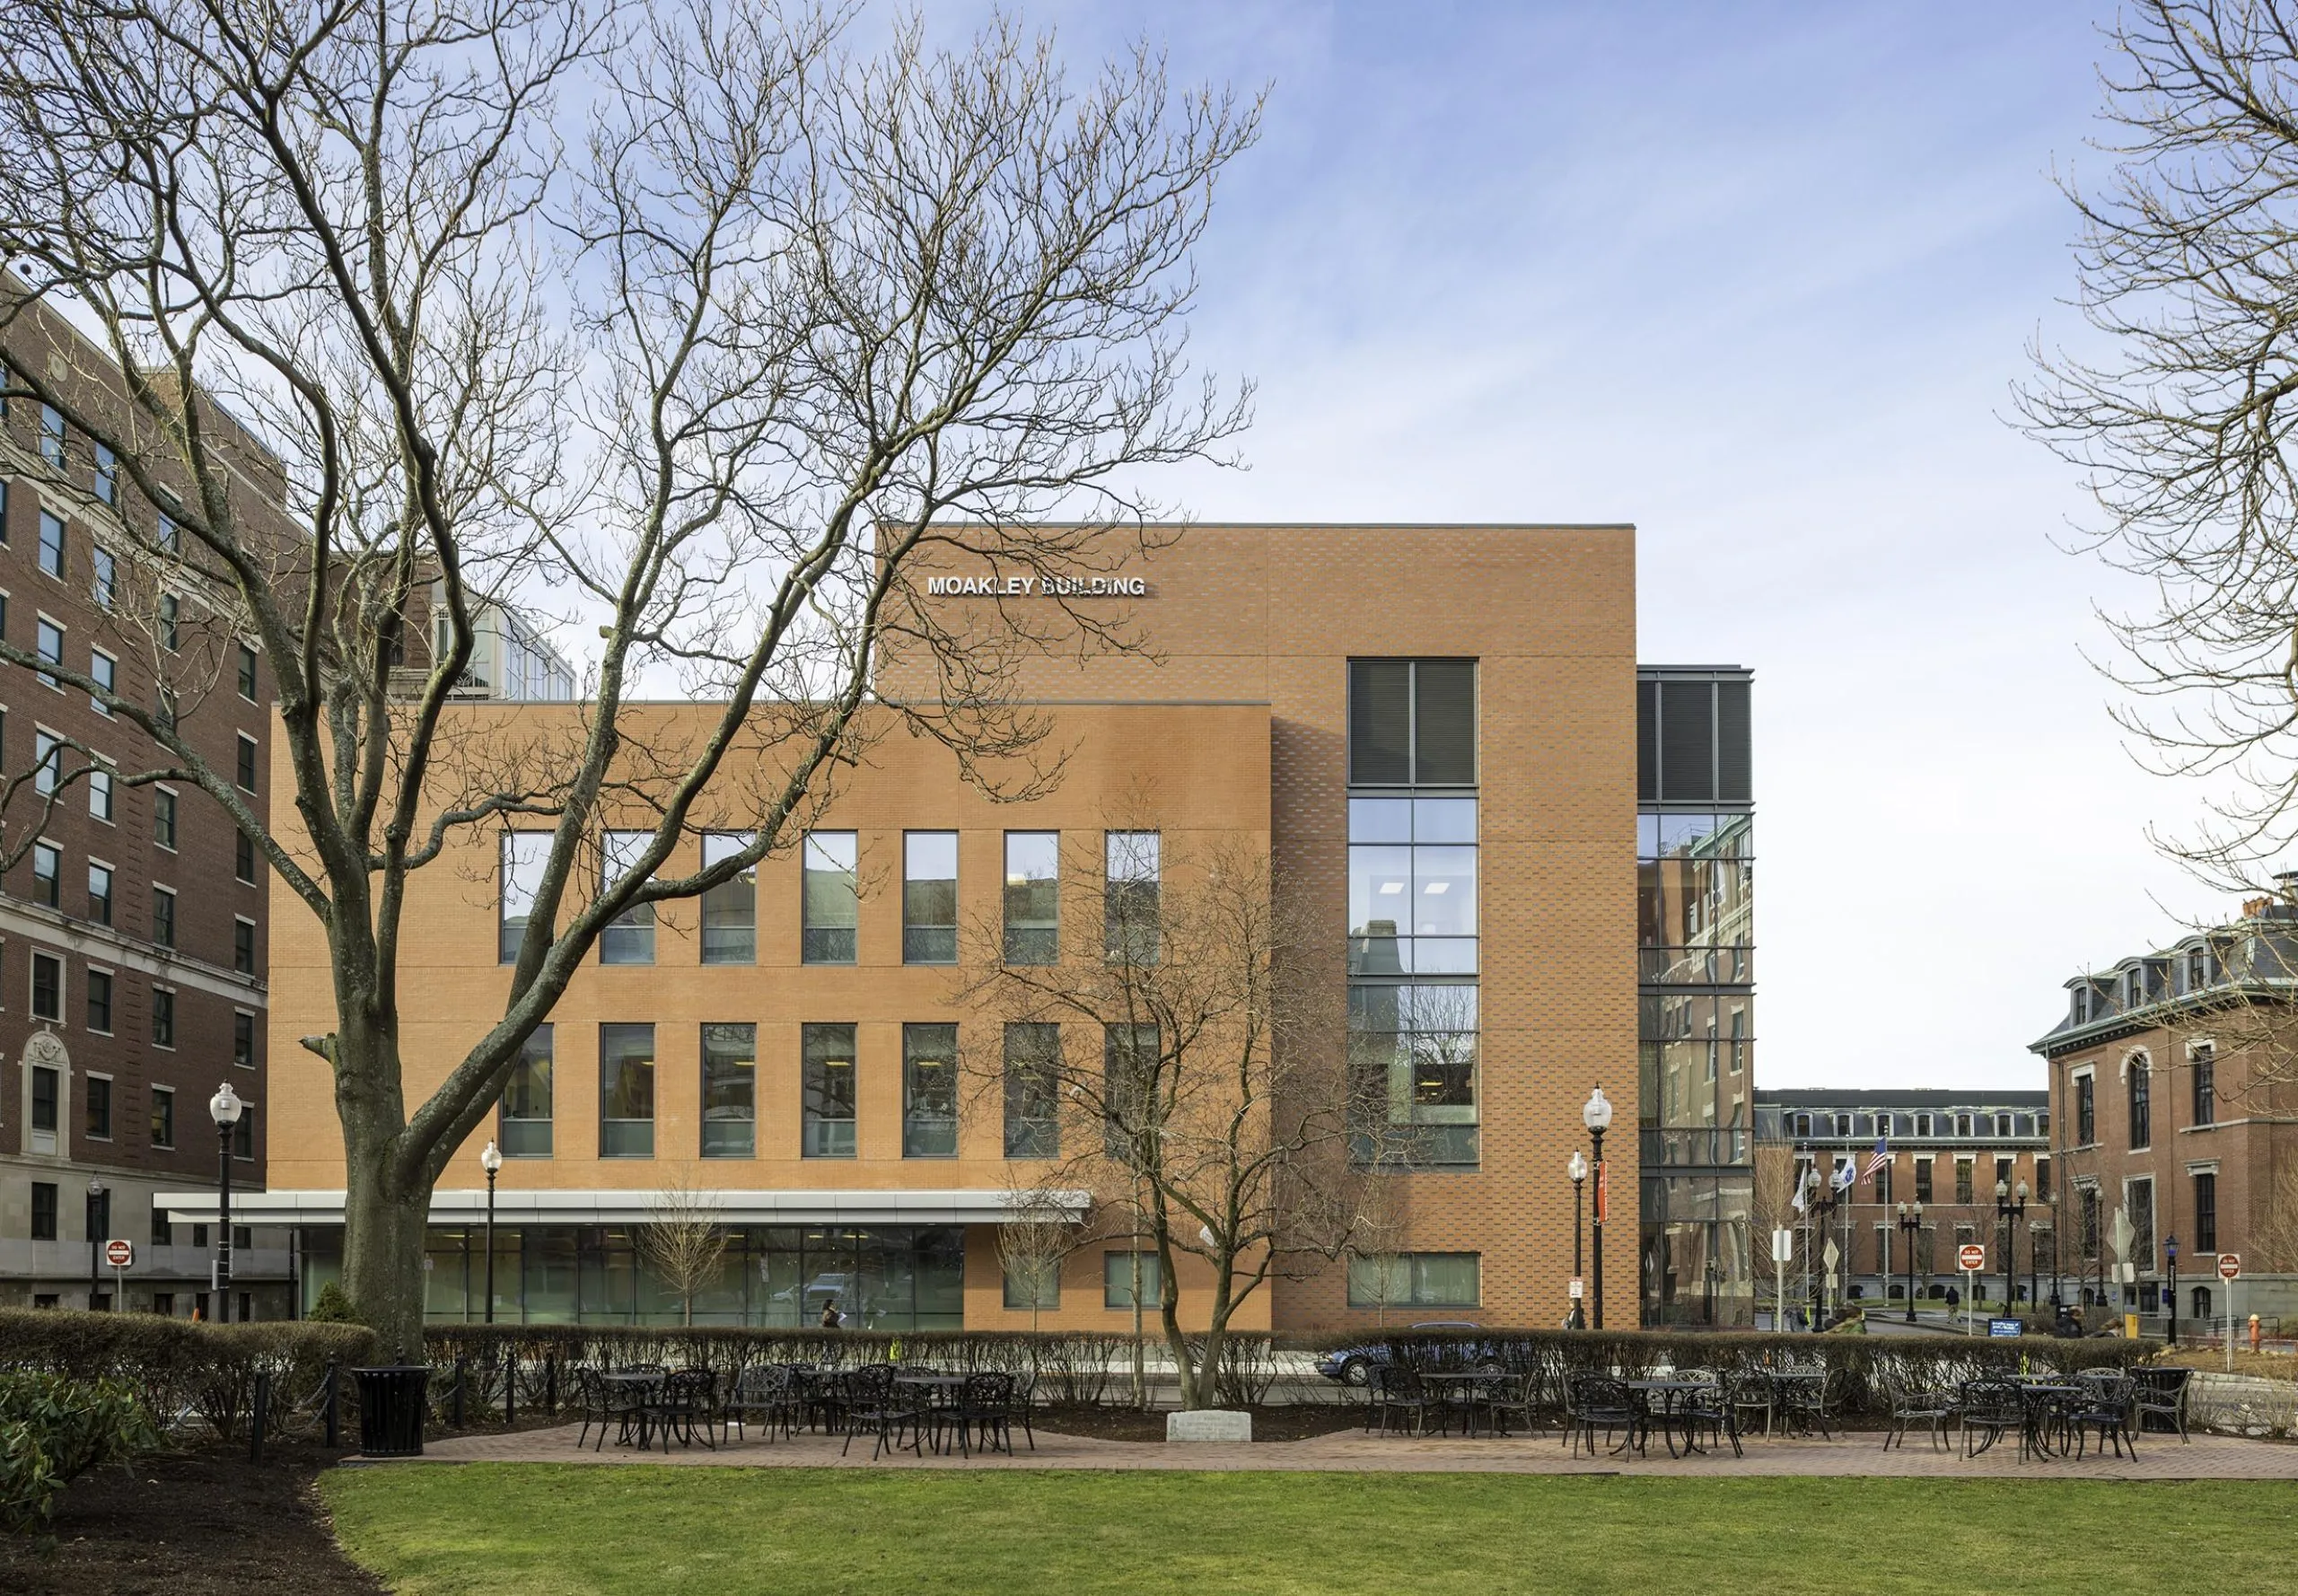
point(1047, 587)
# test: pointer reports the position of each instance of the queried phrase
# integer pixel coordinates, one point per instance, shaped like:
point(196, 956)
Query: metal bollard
point(334, 1404)
point(261, 1417)
point(459, 1394)
point(551, 1384)
point(510, 1389)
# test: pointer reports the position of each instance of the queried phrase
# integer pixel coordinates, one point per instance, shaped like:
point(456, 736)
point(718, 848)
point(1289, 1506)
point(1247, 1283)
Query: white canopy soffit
point(633, 1207)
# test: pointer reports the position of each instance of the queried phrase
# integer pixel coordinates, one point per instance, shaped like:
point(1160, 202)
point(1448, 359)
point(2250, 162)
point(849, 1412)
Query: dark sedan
point(1354, 1365)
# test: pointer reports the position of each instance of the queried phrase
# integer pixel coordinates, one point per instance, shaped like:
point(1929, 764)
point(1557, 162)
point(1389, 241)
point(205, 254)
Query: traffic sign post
point(2230, 1270)
point(1970, 1258)
point(120, 1255)
point(1783, 1253)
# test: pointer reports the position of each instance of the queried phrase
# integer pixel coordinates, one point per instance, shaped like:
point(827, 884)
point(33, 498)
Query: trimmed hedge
point(177, 1366)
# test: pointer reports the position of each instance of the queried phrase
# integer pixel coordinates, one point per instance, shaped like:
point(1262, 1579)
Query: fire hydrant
point(2254, 1332)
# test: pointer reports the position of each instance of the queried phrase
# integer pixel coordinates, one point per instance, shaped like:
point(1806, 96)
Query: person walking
point(832, 1320)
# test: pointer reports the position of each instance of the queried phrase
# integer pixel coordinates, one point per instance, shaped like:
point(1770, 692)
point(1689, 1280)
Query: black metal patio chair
point(1599, 1402)
point(1932, 1406)
point(1398, 1395)
point(2105, 1410)
point(876, 1406)
point(1990, 1409)
point(984, 1406)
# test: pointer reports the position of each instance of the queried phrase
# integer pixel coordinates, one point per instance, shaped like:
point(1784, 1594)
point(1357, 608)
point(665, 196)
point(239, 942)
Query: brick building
point(1433, 732)
point(2174, 1104)
point(133, 923)
point(1962, 1156)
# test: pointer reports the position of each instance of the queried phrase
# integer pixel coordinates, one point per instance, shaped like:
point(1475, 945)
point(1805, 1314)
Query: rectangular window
point(243, 858)
point(830, 898)
point(243, 944)
point(1033, 897)
point(48, 874)
point(1923, 1180)
point(48, 762)
point(728, 1090)
point(99, 984)
point(2086, 1110)
point(107, 474)
point(99, 893)
point(164, 916)
point(2002, 1176)
point(2138, 1201)
point(630, 936)
point(243, 1146)
point(2204, 1056)
point(625, 1091)
point(163, 818)
point(163, 1234)
point(1032, 1093)
point(1412, 723)
point(1413, 1052)
point(1118, 1275)
point(1883, 1185)
point(2042, 1179)
point(99, 797)
point(48, 988)
point(105, 588)
point(98, 1107)
point(167, 534)
point(1412, 886)
point(48, 641)
point(1129, 1098)
point(730, 910)
point(929, 898)
point(929, 1091)
point(163, 1131)
point(826, 1096)
point(52, 437)
point(104, 671)
point(167, 622)
point(45, 1095)
point(52, 544)
point(247, 672)
point(522, 1126)
point(2206, 1212)
point(1132, 897)
point(1964, 1183)
point(244, 1039)
point(163, 1017)
point(2138, 1082)
point(44, 1210)
point(245, 773)
point(1415, 1280)
point(524, 854)
point(1033, 1289)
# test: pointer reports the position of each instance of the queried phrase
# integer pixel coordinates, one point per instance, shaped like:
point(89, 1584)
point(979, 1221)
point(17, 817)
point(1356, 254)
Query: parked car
point(1354, 1365)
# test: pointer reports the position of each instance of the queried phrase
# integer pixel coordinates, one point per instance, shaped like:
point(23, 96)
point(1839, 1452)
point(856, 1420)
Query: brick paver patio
point(2160, 1457)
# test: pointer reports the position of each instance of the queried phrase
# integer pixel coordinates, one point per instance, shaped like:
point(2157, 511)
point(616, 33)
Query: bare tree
point(1040, 1231)
point(688, 320)
point(683, 1239)
point(2275, 1242)
point(1200, 1098)
point(1383, 1225)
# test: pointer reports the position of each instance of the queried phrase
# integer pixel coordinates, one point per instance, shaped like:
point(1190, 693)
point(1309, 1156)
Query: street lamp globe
point(2022, 1194)
point(2171, 1248)
point(1577, 1168)
point(2001, 1190)
point(1596, 1114)
point(226, 1107)
point(490, 1160)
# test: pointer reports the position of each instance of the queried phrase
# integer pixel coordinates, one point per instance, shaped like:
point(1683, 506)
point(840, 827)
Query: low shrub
point(54, 1429)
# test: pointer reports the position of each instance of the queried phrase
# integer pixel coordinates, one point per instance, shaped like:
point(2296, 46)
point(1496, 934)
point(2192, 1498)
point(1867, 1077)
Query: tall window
point(1964, 1179)
point(1412, 1066)
point(98, 984)
point(163, 1127)
point(730, 909)
point(245, 773)
point(107, 474)
point(2206, 1212)
point(98, 1107)
point(1412, 886)
point(99, 893)
point(163, 818)
point(629, 937)
point(830, 898)
point(48, 641)
point(2042, 1179)
point(929, 1091)
point(1033, 897)
point(43, 1209)
point(2139, 1084)
point(52, 544)
point(166, 623)
point(45, 1084)
point(52, 437)
point(243, 858)
point(244, 1039)
point(1032, 1097)
point(163, 1017)
point(728, 1090)
point(2138, 1201)
point(522, 1128)
point(247, 672)
point(48, 874)
point(1923, 1180)
point(1132, 906)
point(2086, 1110)
point(2204, 1056)
point(164, 916)
point(625, 1091)
point(524, 854)
point(105, 588)
point(929, 898)
point(825, 1092)
point(243, 945)
point(104, 671)
point(1411, 722)
point(2087, 1208)
point(1129, 1059)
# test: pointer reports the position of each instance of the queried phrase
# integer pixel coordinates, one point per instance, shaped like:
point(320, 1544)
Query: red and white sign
point(119, 1255)
point(2230, 1266)
point(1603, 1192)
point(1970, 1258)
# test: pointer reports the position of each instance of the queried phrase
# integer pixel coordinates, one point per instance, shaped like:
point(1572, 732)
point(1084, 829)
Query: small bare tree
point(1200, 1099)
point(2275, 1242)
point(1383, 1225)
point(1039, 1233)
point(683, 1239)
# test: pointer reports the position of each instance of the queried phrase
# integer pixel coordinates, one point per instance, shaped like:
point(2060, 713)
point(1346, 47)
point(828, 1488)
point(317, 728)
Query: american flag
point(1878, 1159)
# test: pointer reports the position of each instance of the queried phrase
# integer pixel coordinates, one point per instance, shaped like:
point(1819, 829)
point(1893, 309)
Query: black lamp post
point(2170, 1251)
point(96, 1241)
point(1596, 1114)
point(491, 1161)
point(225, 1108)
point(2008, 1217)
point(1911, 1227)
point(1577, 1168)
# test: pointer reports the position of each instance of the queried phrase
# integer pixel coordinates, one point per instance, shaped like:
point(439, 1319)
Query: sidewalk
point(1857, 1455)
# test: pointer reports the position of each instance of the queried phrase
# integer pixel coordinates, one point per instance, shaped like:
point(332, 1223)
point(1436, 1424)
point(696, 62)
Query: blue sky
point(1757, 278)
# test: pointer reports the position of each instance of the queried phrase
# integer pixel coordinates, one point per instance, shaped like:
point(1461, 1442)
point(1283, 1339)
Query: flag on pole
point(1844, 1173)
point(1803, 1188)
point(1880, 1158)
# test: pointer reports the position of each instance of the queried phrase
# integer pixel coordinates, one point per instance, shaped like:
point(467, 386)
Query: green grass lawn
point(547, 1530)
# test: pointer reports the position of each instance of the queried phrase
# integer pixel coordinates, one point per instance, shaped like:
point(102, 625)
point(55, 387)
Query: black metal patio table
point(940, 1390)
point(635, 1389)
point(1672, 1393)
point(1463, 1391)
point(2042, 1398)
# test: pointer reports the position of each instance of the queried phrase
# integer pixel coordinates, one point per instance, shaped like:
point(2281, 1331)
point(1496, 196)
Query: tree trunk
point(382, 1255)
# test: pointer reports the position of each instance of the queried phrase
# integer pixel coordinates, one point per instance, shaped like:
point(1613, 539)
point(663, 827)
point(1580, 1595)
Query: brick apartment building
point(134, 930)
point(2174, 1104)
point(1962, 1156)
point(1434, 731)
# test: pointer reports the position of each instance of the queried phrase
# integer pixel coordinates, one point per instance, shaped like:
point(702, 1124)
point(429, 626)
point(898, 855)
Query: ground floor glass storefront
point(1698, 1261)
point(887, 1277)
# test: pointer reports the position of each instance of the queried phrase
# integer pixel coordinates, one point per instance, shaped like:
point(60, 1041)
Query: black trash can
point(392, 1401)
